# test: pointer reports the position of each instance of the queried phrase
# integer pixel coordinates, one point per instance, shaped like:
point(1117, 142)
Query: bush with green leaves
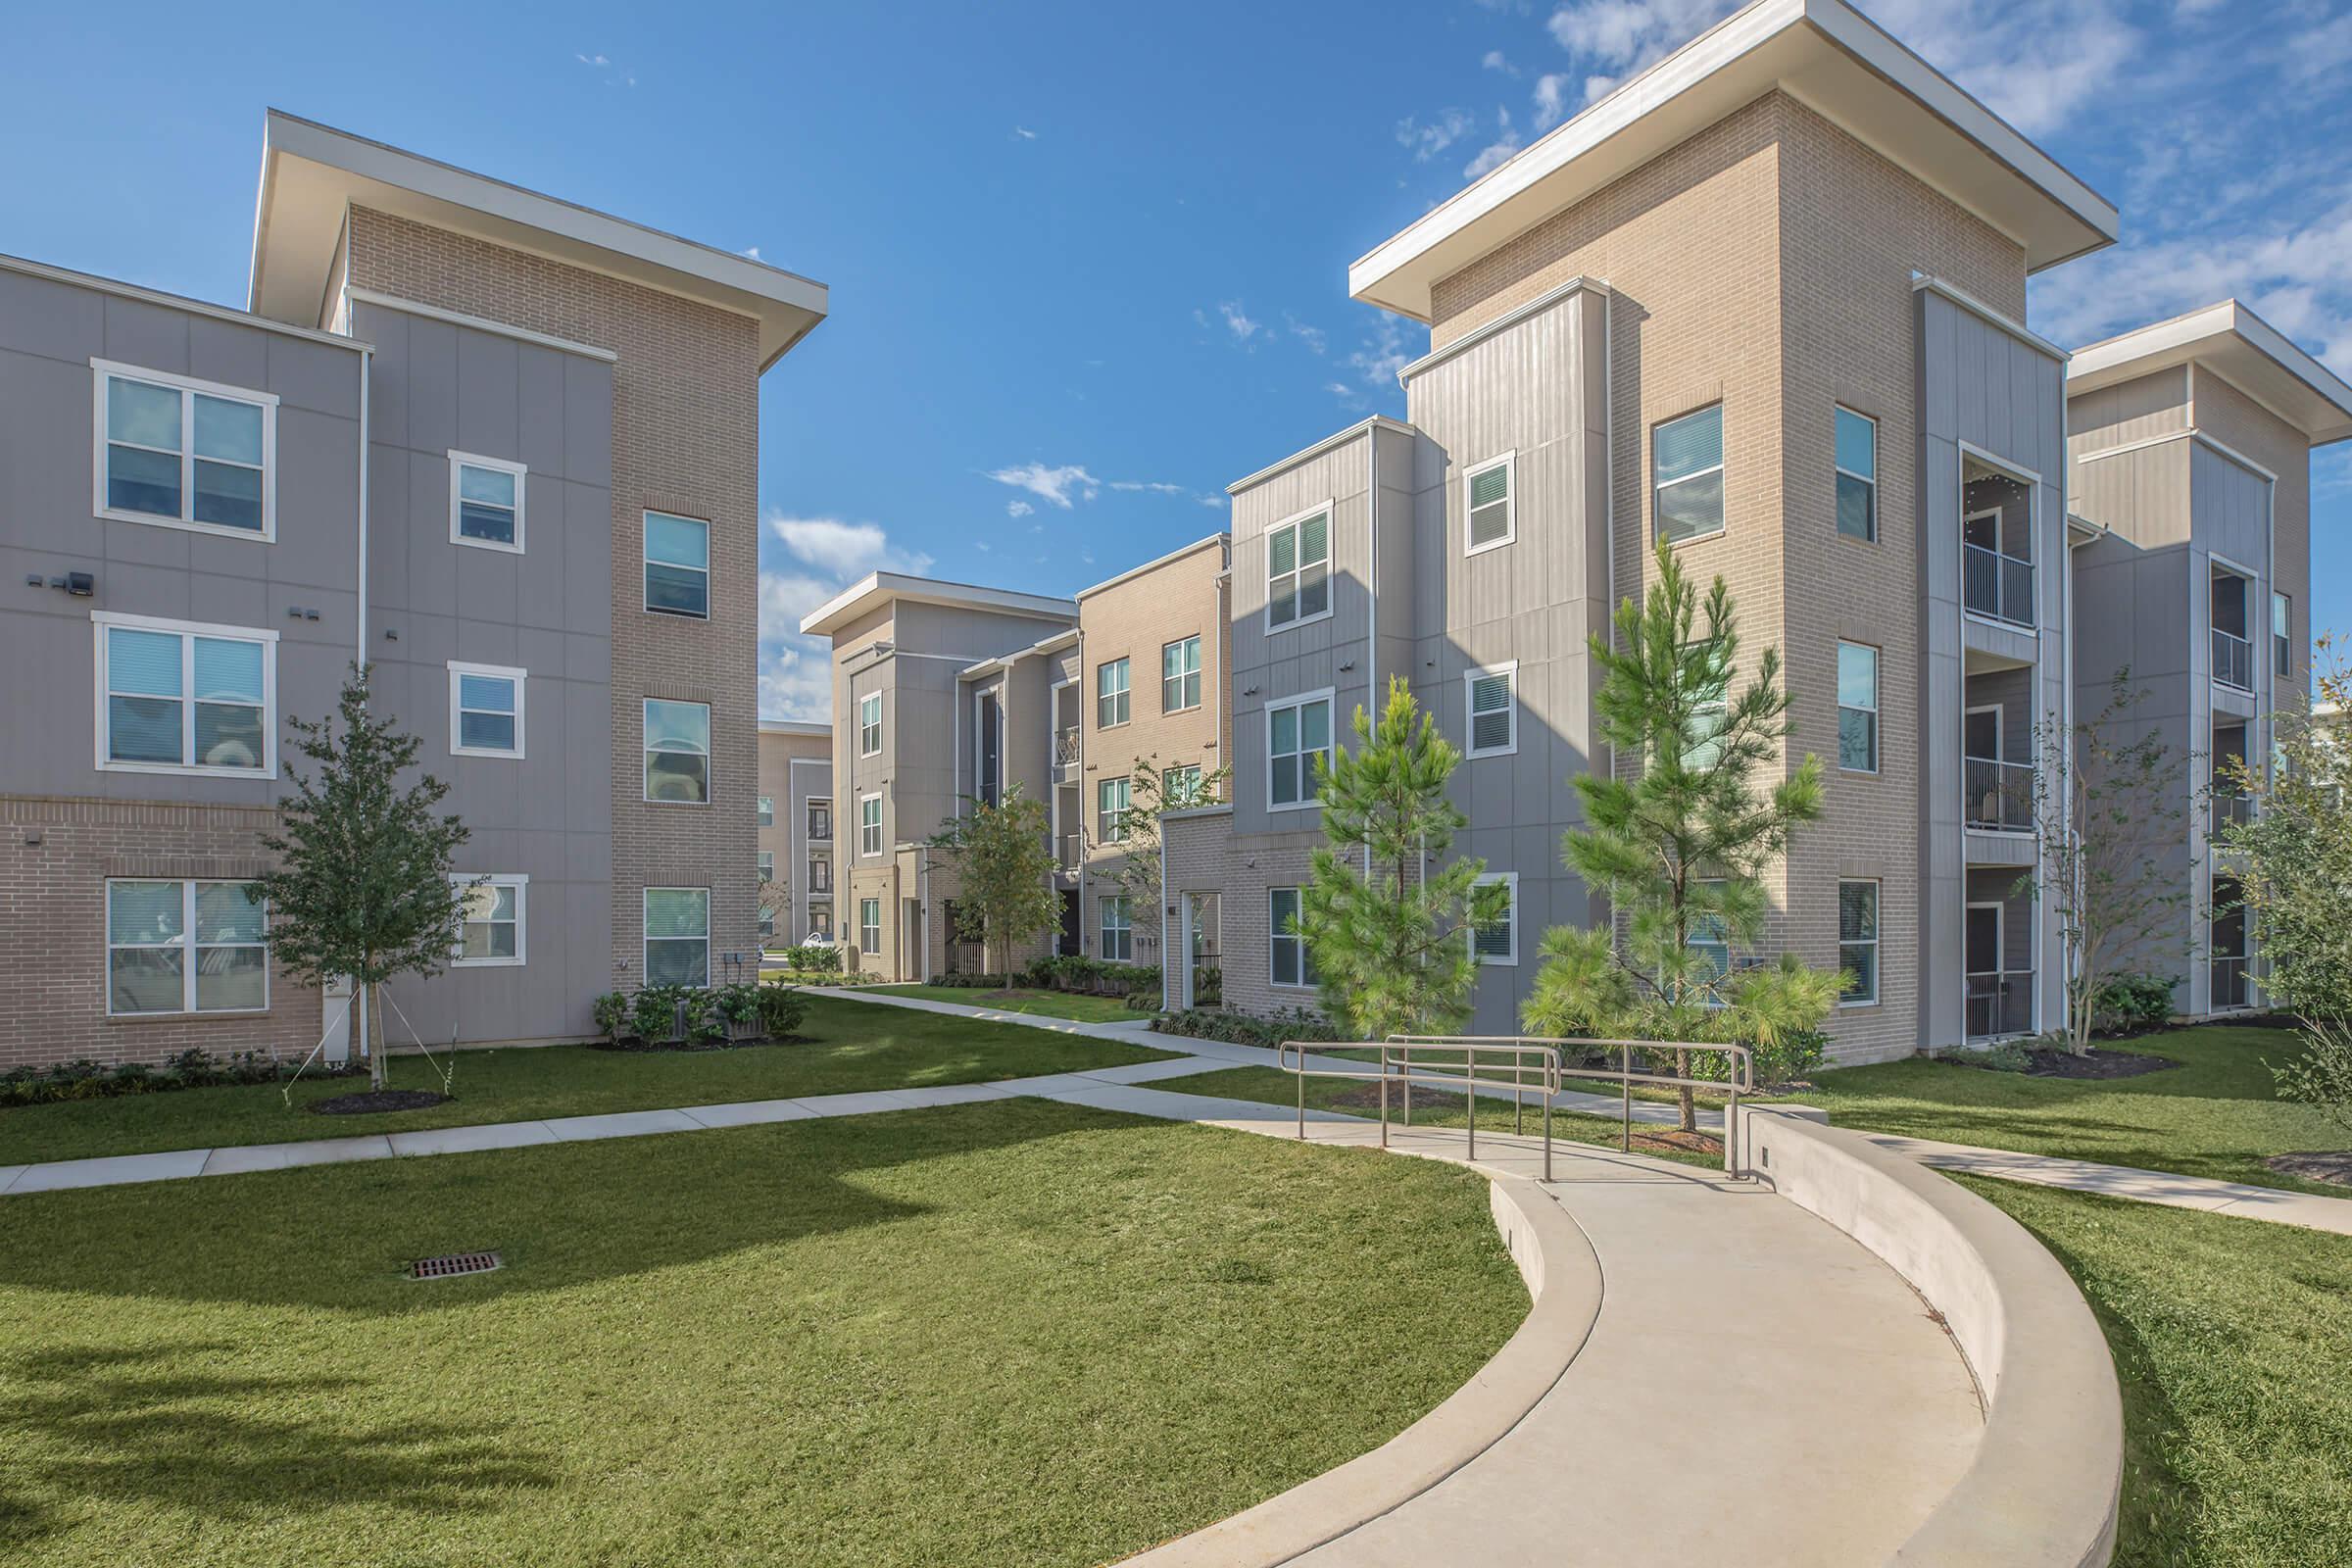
point(615, 1013)
point(2008, 1057)
point(1247, 1029)
point(781, 1009)
point(193, 1068)
point(2322, 1076)
point(654, 1012)
point(2134, 1004)
point(812, 958)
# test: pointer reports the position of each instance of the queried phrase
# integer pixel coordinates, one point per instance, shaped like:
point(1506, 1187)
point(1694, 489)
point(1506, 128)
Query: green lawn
point(845, 1046)
point(2216, 1114)
point(1007, 1333)
point(2231, 1338)
point(1047, 1004)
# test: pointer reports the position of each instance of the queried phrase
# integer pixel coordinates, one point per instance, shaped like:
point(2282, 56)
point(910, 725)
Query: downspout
point(360, 647)
point(1084, 696)
point(1372, 620)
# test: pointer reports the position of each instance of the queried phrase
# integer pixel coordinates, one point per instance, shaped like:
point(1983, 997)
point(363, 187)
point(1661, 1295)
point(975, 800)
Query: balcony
point(2232, 982)
point(1996, 585)
point(2229, 811)
point(2000, 1002)
point(1998, 797)
point(1065, 751)
point(2233, 661)
point(1069, 851)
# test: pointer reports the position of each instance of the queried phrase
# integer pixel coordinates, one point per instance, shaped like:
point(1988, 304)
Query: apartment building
point(1060, 699)
point(501, 449)
point(795, 819)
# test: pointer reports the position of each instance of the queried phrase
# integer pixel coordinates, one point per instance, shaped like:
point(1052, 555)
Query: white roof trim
point(477, 324)
point(795, 726)
point(1501, 324)
point(1337, 438)
point(1986, 313)
point(2242, 349)
point(880, 587)
point(1175, 555)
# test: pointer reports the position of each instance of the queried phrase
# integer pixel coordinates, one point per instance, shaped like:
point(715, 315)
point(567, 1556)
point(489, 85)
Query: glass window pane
point(147, 415)
point(142, 729)
point(143, 911)
point(1685, 446)
point(229, 431)
point(1314, 725)
point(1314, 541)
point(226, 671)
point(1857, 740)
point(677, 964)
point(677, 590)
point(1857, 675)
point(677, 776)
point(1857, 508)
point(676, 541)
point(492, 694)
point(227, 495)
point(1283, 608)
point(228, 911)
point(229, 978)
point(677, 727)
point(494, 485)
point(1490, 486)
point(1285, 731)
point(143, 661)
point(1864, 962)
point(1314, 591)
point(228, 735)
point(488, 732)
point(1857, 911)
point(142, 481)
point(1281, 551)
point(1858, 444)
point(145, 980)
point(677, 912)
point(1691, 508)
point(479, 521)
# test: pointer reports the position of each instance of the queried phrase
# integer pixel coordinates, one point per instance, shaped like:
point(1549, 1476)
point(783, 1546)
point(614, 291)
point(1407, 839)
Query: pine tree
point(1387, 921)
point(362, 887)
point(1003, 864)
point(1680, 848)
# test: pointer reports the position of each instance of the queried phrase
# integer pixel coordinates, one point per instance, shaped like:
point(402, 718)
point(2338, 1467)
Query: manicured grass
point(1007, 1333)
point(2216, 1114)
point(1048, 1003)
point(1274, 1087)
point(2231, 1340)
point(845, 1046)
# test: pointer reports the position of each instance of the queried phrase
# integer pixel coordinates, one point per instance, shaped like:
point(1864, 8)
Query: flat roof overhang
point(879, 588)
point(312, 175)
point(2243, 349)
point(1823, 53)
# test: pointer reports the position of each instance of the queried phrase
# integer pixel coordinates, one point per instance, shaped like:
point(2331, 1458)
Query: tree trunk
point(374, 1044)
point(1690, 1100)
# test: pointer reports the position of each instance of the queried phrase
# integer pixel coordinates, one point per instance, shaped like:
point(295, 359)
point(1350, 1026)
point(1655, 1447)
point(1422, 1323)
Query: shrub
point(654, 1012)
point(2133, 1004)
point(1075, 972)
point(1208, 986)
point(1242, 1029)
point(83, 1079)
point(2322, 1076)
point(613, 1014)
point(2007, 1057)
point(813, 957)
point(781, 1009)
point(735, 1008)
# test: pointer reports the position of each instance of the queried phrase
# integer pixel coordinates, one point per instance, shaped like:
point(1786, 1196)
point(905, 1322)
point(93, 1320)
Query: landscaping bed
point(1012, 1333)
point(1077, 1007)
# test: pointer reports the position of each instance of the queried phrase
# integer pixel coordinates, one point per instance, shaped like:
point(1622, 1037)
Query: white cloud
point(753, 251)
point(1238, 324)
point(1425, 141)
point(825, 555)
point(1497, 60)
point(1497, 152)
point(1552, 99)
point(1018, 508)
point(1382, 355)
point(597, 61)
point(1056, 486)
point(845, 550)
point(1023, 134)
point(1158, 487)
point(1312, 336)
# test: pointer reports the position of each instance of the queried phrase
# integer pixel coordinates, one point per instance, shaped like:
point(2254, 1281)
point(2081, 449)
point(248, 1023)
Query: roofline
point(1220, 537)
point(2163, 344)
point(1721, 46)
point(892, 585)
point(1337, 438)
point(1542, 302)
point(180, 302)
point(1037, 650)
point(794, 726)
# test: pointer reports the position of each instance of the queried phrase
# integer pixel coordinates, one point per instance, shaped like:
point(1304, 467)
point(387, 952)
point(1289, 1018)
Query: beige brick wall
point(685, 440)
point(59, 856)
point(1205, 855)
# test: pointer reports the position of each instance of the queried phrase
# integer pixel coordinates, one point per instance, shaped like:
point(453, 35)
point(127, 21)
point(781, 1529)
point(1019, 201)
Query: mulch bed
point(2315, 1167)
point(2051, 1063)
point(372, 1101)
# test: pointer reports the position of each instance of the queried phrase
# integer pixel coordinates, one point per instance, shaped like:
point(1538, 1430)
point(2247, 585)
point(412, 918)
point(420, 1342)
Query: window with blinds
point(1298, 572)
point(1685, 457)
point(178, 699)
point(1488, 506)
point(1499, 942)
point(1493, 728)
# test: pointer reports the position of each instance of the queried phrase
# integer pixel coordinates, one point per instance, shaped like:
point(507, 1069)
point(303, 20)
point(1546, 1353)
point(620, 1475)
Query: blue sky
point(1089, 261)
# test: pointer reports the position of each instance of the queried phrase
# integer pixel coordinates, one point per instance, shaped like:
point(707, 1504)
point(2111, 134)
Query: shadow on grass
point(150, 1428)
point(341, 1236)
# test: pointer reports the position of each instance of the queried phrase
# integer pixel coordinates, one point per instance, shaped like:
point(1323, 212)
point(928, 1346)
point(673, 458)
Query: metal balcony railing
point(1069, 850)
point(2231, 810)
point(1999, 795)
point(1065, 748)
point(2000, 1002)
point(1997, 585)
point(2233, 659)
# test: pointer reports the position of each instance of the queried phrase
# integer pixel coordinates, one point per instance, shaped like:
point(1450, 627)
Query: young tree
point(362, 886)
point(1387, 920)
point(2294, 852)
point(2109, 804)
point(1151, 790)
point(1003, 864)
point(774, 898)
point(1680, 848)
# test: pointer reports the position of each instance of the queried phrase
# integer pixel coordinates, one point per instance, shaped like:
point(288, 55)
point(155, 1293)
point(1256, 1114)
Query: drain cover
point(454, 1263)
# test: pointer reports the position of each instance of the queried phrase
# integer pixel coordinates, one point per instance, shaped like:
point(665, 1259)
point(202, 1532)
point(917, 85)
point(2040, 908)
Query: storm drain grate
point(452, 1265)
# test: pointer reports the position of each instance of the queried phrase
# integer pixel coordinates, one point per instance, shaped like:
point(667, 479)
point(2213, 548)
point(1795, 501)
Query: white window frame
point(1720, 466)
point(1107, 828)
point(1275, 933)
point(768, 812)
point(456, 728)
point(875, 945)
point(189, 631)
point(766, 862)
point(645, 748)
point(1871, 479)
point(864, 827)
point(521, 885)
point(873, 723)
point(460, 461)
point(1105, 907)
point(1182, 675)
point(1877, 944)
point(646, 939)
point(1331, 549)
point(103, 371)
point(1306, 781)
point(1121, 697)
point(1172, 799)
point(1509, 879)
point(646, 563)
point(2031, 481)
point(185, 945)
point(1716, 1000)
point(1509, 460)
point(1878, 736)
point(1509, 672)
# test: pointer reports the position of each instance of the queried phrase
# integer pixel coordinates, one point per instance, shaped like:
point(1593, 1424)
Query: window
point(677, 751)
point(768, 866)
point(1111, 796)
point(2282, 644)
point(820, 874)
point(1288, 962)
point(1110, 694)
point(1857, 475)
point(1686, 461)
point(1299, 570)
point(485, 501)
point(820, 821)
point(186, 947)
point(485, 711)
point(1297, 732)
point(1710, 941)
point(870, 824)
point(1493, 708)
point(869, 724)
point(678, 936)
point(820, 924)
point(1118, 936)
point(492, 933)
point(767, 811)
point(1180, 787)
point(1705, 750)
point(1498, 943)
point(1180, 675)
point(1858, 941)
point(1857, 707)
point(677, 565)
point(1489, 509)
point(869, 925)
point(188, 454)
point(177, 697)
